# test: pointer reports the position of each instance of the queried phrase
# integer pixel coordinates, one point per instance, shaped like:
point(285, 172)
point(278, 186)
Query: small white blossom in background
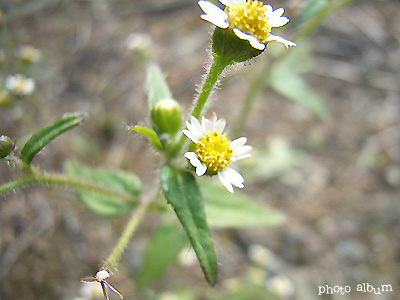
point(139, 42)
point(167, 296)
point(249, 20)
point(260, 255)
point(233, 284)
point(213, 152)
point(20, 84)
point(256, 275)
point(187, 257)
point(91, 290)
point(29, 54)
point(281, 286)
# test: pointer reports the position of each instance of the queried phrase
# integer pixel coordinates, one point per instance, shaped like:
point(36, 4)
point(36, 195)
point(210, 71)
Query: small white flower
point(29, 53)
point(250, 20)
point(140, 42)
point(187, 257)
point(281, 286)
point(167, 296)
point(260, 255)
point(20, 84)
point(213, 152)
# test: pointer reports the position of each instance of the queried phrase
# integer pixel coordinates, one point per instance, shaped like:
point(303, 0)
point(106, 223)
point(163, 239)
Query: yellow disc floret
point(213, 150)
point(249, 17)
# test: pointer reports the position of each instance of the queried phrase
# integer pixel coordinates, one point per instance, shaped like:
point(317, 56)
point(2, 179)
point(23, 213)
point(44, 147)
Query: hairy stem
point(214, 72)
point(63, 180)
point(116, 253)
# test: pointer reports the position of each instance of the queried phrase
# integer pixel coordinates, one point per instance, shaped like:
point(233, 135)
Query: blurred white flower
point(213, 152)
point(256, 275)
point(29, 53)
point(187, 257)
point(250, 20)
point(91, 290)
point(140, 42)
point(260, 255)
point(167, 296)
point(281, 286)
point(234, 284)
point(20, 84)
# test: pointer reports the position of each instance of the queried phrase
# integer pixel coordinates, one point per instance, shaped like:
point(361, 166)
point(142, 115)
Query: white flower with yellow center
point(20, 84)
point(250, 20)
point(213, 152)
point(29, 54)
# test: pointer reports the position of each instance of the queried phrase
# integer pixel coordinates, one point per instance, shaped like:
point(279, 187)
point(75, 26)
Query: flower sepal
point(230, 49)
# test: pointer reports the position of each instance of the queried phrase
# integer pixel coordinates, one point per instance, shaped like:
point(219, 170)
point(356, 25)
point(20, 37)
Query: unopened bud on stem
point(167, 116)
point(6, 146)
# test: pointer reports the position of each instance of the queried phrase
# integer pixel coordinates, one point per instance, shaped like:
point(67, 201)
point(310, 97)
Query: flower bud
point(228, 47)
point(6, 146)
point(166, 116)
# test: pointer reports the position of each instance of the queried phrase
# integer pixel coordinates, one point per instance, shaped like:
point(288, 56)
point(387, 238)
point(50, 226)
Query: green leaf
point(45, 135)
point(235, 210)
point(162, 250)
point(157, 87)
point(286, 78)
point(117, 180)
point(150, 134)
point(181, 191)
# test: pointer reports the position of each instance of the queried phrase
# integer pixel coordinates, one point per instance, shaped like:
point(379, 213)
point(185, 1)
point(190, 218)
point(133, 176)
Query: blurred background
point(324, 126)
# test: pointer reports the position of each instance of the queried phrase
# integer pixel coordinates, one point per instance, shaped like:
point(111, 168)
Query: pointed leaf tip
point(49, 132)
point(181, 191)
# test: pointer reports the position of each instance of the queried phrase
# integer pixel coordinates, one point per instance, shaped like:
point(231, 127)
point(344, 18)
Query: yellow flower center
point(20, 85)
point(29, 53)
point(213, 149)
point(249, 17)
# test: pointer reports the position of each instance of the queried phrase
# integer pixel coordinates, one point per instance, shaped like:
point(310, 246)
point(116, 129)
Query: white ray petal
point(253, 41)
point(242, 152)
point(225, 181)
point(201, 169)
point(220, 125)
point(192, 156)
point(229, 3)
point(195, 162)
point(213, 14)
point(280, 39)
point(277, 12)
point(234, 177)
point(194, 127)
point(190, 136)
point(236, 144)
point(268, 10)
point(214, 124)
point(205, 124)
point(278, 21)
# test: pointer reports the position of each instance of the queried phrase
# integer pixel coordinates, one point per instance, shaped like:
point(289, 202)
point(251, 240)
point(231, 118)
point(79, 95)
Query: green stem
point(216, 69)
point(130, 228)
point(65, 180)
point(214, 72)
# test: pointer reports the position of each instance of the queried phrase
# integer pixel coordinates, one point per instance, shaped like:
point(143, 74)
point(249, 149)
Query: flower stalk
point(214, 72)
point(135, 219)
